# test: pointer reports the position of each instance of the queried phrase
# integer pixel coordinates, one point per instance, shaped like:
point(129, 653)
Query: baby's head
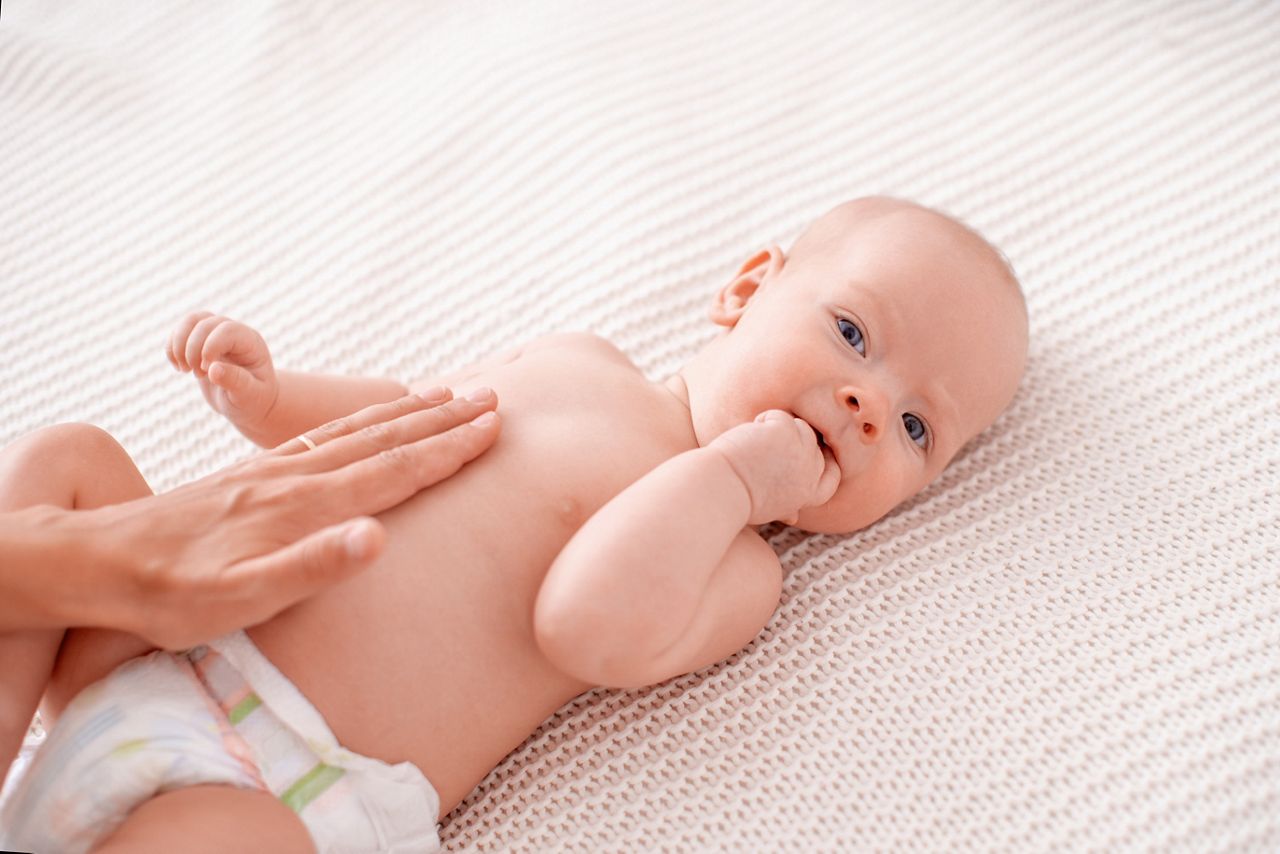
point(895, 331)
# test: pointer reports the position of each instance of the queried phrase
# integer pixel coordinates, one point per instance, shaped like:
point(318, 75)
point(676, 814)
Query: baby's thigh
point(76, 467)
point(72, 466)
point(212, 819)
point(87, 655)
point(93, 470)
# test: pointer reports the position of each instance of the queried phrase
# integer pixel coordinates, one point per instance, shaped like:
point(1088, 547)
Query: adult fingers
point(387, 436)
point(262, 586)
point(369, 416)
point(375, 483)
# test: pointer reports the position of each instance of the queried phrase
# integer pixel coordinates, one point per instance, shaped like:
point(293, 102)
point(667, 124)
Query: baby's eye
point(916, 430)
point(852, 334)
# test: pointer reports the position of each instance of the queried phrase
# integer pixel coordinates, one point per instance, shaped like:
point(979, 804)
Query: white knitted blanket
point(1070, 642)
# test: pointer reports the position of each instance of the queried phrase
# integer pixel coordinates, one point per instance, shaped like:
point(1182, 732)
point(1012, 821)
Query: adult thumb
point(315, 562)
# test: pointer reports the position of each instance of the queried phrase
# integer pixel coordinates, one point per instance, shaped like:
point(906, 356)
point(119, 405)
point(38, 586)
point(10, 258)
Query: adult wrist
point(96, 573)
point(52, 568)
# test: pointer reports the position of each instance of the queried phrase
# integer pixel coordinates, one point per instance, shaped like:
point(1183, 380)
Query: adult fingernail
point(359, 540)
point(480, 395)
point(433, 394)
point(486, 419)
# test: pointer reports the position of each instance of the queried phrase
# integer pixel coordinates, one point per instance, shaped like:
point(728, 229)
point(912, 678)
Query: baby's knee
point(68, 465)
point(65, 444)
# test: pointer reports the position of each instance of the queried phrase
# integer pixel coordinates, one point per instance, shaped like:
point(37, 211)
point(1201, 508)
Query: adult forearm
point(635, 572)
point(306, 401)
point(49, 576)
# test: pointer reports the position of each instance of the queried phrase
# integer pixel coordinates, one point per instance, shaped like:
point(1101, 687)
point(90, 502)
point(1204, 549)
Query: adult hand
point(236, 547)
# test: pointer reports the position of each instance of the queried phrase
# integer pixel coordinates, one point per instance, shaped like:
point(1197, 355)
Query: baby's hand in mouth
point(831, 476)
point(831, 469)
point(780, 462)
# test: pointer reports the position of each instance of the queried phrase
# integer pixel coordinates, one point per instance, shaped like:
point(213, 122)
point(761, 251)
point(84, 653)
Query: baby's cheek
point(863, 500)
point(842, 514)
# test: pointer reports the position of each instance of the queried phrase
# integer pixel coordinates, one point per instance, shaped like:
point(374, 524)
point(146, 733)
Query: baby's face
point(894, 332)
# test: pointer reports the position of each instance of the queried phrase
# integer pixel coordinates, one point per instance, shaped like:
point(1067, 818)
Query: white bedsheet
point(1072, 641)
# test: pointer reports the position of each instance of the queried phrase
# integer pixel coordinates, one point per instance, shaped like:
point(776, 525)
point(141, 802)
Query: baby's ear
point(731, 300)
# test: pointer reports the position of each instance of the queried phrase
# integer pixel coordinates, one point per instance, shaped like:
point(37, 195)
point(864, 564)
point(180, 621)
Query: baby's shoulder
point(580, 343)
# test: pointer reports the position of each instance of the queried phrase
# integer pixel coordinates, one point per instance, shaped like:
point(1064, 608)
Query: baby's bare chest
point(575, 432)
point(465, 558)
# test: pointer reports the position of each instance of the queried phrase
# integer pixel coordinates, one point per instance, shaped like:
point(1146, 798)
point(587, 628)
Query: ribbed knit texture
point(1069, 642)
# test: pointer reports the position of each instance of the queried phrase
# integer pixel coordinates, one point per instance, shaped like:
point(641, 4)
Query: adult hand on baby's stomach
point(780, 463)
point(232, 364)
point(236, 547)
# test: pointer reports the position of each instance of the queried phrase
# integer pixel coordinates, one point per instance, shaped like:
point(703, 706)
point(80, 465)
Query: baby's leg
point(75, 466)
point(210, 819)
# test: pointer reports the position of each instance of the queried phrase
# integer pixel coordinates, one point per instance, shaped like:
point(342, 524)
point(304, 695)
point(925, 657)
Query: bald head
point(848, 219)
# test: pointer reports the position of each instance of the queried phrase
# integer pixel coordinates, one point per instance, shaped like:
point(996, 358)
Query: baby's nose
point(866, 411)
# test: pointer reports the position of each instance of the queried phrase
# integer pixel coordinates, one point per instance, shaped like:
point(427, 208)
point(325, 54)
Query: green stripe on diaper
point(242, 709)
point(131, 746)
point(310, 786)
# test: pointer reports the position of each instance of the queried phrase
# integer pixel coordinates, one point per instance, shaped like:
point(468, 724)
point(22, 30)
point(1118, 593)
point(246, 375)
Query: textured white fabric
point(1071, 641)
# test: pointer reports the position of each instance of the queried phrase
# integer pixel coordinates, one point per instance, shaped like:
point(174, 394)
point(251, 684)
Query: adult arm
point(236, 547)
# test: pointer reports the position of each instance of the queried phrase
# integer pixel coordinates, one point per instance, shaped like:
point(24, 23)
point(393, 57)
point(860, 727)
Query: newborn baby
point(607, 539)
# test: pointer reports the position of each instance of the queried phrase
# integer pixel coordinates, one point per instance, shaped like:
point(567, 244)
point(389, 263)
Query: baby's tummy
point(429, 656)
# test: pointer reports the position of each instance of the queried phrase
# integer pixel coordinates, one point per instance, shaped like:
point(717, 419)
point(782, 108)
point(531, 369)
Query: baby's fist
point(231, 363)
point(778, 460)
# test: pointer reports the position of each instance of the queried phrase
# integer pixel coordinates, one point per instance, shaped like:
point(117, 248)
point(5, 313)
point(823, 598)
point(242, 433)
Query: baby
point(607, 539)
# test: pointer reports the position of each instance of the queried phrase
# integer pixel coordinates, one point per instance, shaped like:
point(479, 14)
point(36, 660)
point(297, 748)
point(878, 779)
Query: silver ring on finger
point(306, 440)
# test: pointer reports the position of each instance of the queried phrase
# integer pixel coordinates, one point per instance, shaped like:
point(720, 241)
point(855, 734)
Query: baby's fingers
point(828, 481)
point(232, 379)
point(177, 348)
point(195, 342)
point(232, 342)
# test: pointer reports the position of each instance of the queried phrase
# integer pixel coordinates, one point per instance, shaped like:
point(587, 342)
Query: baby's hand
point(231, 363)
point(779, 461)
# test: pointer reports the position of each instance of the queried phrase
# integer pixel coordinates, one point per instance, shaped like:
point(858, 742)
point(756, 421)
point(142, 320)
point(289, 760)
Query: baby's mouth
point(824, 446)
point(822, 440)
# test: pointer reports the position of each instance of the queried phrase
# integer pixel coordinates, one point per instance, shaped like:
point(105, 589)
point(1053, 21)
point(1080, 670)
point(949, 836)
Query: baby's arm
point(236, 375)
point(667, 578)
point(306, 401)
